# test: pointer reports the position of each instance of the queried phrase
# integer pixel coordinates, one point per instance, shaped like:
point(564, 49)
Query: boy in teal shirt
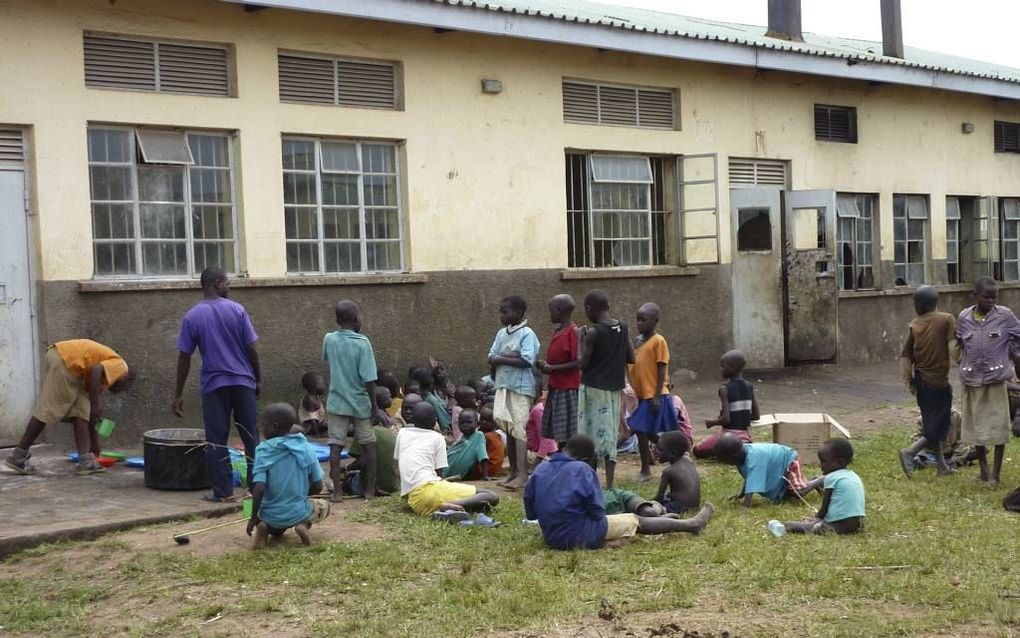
point(467, 458)
point(842, 510)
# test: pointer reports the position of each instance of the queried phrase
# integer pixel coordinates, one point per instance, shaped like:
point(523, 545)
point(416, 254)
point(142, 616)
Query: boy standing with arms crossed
point(924, 360)
point(513, 354)
point(350, 406)
point(654, 413)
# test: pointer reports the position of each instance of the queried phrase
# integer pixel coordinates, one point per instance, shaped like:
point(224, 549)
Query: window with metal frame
point(835, 123)
point(953, 271)
point(595, 103)
point(1009, 208)
point(910, 236)
point(1007, 137)
point(855, 229)
point(142, 64)
point(315, 79)
point(342, 206)
point(157, 218)
point(617, 211)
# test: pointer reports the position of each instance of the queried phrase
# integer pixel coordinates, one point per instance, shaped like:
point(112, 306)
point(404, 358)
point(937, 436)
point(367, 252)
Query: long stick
point(206, 529)
point(802, 499)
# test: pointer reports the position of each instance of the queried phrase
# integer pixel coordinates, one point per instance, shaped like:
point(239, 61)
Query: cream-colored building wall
point(484, 173)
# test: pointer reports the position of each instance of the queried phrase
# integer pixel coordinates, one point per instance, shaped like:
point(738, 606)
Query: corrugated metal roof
point(656, 22)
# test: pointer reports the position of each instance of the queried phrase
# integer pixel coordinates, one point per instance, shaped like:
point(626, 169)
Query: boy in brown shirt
point(924, 360)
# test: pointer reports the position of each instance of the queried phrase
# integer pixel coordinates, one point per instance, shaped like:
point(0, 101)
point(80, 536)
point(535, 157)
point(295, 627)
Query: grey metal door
point(17, 330)
point(757, 276)
point(809, 225)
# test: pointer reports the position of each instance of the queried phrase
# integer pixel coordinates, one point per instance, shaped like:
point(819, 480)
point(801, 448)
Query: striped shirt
point(740, 394)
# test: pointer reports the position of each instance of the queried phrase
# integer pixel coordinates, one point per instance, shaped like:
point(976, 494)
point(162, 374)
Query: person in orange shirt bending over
point(77, 372)
point(654, 413)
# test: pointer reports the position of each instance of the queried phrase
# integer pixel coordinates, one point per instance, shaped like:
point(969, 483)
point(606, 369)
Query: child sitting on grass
point(464, 398)
point(842, 509)
point(467, 456)
point(739, 405)
point(389, 381)
point(563, 495)
point(421, 454)
point(769, 469)
point(680, 487)
point(495, 444)
point(286, 473)
point(312, 409)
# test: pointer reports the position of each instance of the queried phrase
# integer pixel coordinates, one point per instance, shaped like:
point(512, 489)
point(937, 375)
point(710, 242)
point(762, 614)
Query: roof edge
point(541, 28)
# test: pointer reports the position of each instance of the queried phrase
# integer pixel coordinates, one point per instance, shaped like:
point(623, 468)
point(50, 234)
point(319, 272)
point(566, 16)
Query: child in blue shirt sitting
point(769, 469)
point(286, 473)
point(842, 509)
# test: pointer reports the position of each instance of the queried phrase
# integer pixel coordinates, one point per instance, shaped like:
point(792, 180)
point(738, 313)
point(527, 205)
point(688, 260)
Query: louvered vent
point(836, 123)
point(1007, 137)
point(12, 146)
point(617, 105)
point(757, 172)
point(144, 65)
point(317, 80)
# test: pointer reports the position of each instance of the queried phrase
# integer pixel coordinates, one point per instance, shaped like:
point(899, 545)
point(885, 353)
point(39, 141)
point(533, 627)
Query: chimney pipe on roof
point(784, 20)
point(892, 29)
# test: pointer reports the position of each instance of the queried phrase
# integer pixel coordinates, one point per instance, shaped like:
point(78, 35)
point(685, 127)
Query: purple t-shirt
point(221, 330)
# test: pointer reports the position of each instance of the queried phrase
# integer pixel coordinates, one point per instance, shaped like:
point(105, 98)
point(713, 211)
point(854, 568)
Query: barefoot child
point(924, 359)
point(680, 487)
point(286, 473)
point(605, 352)
point(421, 454)
point(350, 408)
point(312, 409)
point(842, 509)
point(654, 413)
point(739, 405)
point(495, 444)
point(563, 495)
point(559, 420)
point(464, 398)
point(513, 354)
point(985, 334)
point(467, 457)
point(769, 469)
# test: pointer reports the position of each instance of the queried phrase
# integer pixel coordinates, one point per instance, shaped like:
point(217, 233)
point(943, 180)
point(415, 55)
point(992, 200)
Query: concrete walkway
point(56, 504)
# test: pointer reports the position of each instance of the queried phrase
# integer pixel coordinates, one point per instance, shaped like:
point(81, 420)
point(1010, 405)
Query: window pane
point(899, 205)
point(210, 185)
point(864, 229)
point(299, 188)
point(339, 190)
point(115, 259)
point(915, 274)
point(915, 229)
point(383, 256)
point(754, 229)
point(302, 257)
point(109, 146)
point(338, 156)
point(162, 221)
point(900, 229)
point(209, 150)
point(846, 206)
point(952, 208)
point(900, 250)
point(299, 155)
point(381, 224)
point(113, 221)
point(952, 230)
point(379, 158)
point(1011, 208)
point(1009, 230)
point(165, 258)
point(620, 169)
point(1011, 271)
point(163, 147)
point(1009, 250)
point(380, 190)
point(340, 223)
point(342, 256)
point(214, 254)
point(901, 276)
point(161, 183)
point(111, 183)
point(915, 252)
point(607, 225)
point(619, 196)
point(917, 207)
point(212, 222)
point(301, 223)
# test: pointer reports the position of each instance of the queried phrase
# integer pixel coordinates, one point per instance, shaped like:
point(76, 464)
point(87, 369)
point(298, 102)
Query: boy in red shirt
point(559, 421)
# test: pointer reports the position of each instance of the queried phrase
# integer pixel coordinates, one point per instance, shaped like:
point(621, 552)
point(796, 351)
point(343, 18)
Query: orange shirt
point(497, 452)
point(80, 355)
point(644, 372)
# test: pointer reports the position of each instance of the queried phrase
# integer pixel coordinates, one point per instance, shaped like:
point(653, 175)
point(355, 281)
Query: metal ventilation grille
point(12, 146)
point(836, 123)
point(144, 65)
point(618, 105)
point(757, 172)
point(318, 80)
point(1007, 137)
point(185, 68)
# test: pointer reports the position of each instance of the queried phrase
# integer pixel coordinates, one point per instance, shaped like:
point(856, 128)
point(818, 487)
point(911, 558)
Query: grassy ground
point(954, 547)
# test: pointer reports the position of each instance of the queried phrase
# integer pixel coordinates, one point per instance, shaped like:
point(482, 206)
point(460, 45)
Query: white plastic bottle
point(776, 528)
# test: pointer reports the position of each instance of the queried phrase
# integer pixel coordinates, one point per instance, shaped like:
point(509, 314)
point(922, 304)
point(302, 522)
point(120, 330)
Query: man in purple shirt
point(231, 377)
point(987, 336)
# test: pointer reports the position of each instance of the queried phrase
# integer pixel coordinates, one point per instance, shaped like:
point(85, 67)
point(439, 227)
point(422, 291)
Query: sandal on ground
point(89, 466)
point(211, 497)
point(451, 516)
point(480, 520)
point(20, 466)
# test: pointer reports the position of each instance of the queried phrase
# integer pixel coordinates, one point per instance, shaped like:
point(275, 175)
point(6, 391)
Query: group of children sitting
point(428, 437)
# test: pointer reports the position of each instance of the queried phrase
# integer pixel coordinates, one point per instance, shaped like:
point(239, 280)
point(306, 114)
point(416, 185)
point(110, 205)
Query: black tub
point(175, 459)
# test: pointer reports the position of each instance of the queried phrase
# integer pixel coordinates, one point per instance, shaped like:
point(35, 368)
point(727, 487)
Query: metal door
point(757, 276)
point(17, 330)
point(809, 225)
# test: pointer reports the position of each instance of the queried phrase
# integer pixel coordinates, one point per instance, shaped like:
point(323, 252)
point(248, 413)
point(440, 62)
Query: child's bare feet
point(303, 532)
point(336, 497)
point(907, 462)
point(261, 536)
point(944, 471)
point(516, 484)
point(614, 544)
point(701, 519)
point(643, 477)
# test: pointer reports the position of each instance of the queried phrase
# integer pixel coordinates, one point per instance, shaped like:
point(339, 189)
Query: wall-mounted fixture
point(967, 128)
point(492, 86)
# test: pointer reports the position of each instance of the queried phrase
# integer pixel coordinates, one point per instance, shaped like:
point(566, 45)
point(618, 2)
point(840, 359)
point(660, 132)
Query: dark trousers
point(218, 407)
point(936, 405)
